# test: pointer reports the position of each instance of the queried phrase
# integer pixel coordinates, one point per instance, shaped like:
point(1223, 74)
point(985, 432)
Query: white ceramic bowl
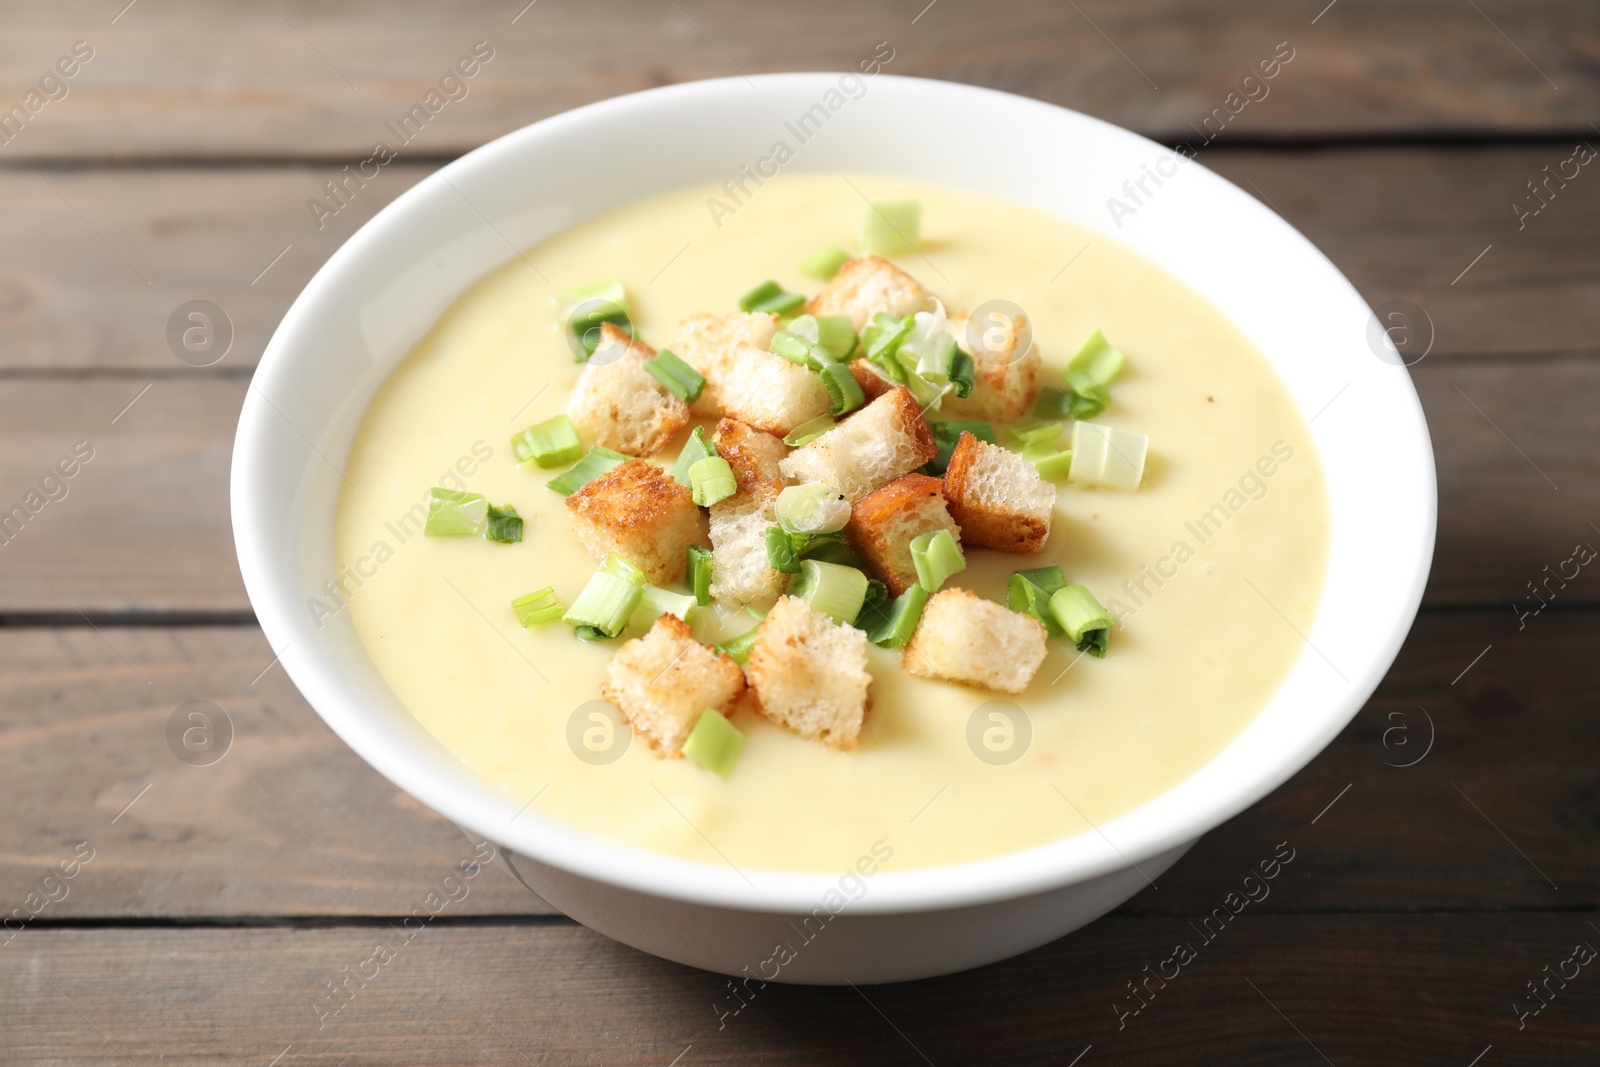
point(379, 293)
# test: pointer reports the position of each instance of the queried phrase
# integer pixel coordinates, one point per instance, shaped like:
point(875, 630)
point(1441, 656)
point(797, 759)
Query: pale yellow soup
point(1212, 567)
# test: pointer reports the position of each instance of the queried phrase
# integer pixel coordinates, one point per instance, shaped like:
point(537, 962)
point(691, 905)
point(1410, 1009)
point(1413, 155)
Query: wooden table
point(214, 904)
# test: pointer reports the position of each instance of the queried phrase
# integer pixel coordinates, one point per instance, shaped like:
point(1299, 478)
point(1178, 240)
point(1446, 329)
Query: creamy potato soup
point(1210, 568)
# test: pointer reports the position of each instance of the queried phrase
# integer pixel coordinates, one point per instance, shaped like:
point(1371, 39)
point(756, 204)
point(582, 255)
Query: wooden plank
point(193, 79)
point(1401, 222)
point(1434, 991)
point(82, 736)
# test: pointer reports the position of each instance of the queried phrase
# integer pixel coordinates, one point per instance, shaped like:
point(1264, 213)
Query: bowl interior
point(385, 288)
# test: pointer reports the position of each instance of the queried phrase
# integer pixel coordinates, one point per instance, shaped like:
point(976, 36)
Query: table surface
point(1445, 842)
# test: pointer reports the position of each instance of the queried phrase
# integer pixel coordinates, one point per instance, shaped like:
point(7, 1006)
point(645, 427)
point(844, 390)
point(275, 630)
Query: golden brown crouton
point(770, 393)
point(880, 442)
point(753, 455)
point(663, 681)
point(964, 638)
point(863, 287)
point(998, 497)
point(809, 673)
point(619, 405)
point(707, 342)
point(639, 512)
point(1005, 382)
point(883, 524)
point(740, 571)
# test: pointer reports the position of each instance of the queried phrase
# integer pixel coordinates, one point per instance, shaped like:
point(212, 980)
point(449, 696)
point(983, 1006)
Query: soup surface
point(1211, 567)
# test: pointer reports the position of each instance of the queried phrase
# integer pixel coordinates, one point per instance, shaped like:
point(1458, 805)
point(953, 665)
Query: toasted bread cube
point(637, 511)
point(809, 673)
point(770, 393)
point(863, 287)
point(707, 342)
point(998, 497)
point(887, 438)
point(1005, 382)
point(617, 404)
point(870, 378)
point(963, 638)
point(663, 681)
point(740, 572)
point(753, 455)
point(883, 524)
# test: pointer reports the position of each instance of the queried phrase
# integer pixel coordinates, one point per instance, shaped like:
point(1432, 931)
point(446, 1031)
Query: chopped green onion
point(1109, 458)
point(785, 548)
point(711, 480)
point(769, 298)
point(618, 567)
point(808, 431)
point(598, 462)
point(812, 508)
point(699, 574)
point(844, 392)
point(1050, 464)
point(1096, 358)
point(739, 647)
point(695, 449)
point(589, 633)
point(875, 602)
point(881, 343)
point(1083, 398)
point(892, 227)
point(898, 622)
point(606, 604)
point(1083, 619)
point(797, 349)
point(836, 333)
point(927, 394)
point(504, 525)
point(455, 514)
point(946, 434)
point(551, 443)
point(1029, 592)
point(537, 608)
point(936, 556)
point(588, 307)
point(680, 379)
point(825, 262)
point(714, 743)
point(832, 551)
point(930, 351)
point(1035, 434)
point(655, 602)
point(835, 591)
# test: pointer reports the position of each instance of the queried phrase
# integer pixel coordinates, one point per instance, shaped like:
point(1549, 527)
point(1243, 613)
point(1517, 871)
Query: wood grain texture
point(192, 79)
point(1266, 990)
point(83, 735)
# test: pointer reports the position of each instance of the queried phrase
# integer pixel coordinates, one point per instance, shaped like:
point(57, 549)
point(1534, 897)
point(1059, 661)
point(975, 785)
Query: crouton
point(753, 455)
point(663, 681)
point(870, 378)
point(871, 448)
point(639, 512)
point(882, 525)
point(739, 569)
point(706, 342)
point(864, 287)
point(964, 638)
point(997, 497)
point(809, 673)
point(769, 392)
point(1005, 383)
point(617, 404)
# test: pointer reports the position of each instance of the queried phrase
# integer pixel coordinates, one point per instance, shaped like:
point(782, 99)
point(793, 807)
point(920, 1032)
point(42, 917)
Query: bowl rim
point(1029, 871)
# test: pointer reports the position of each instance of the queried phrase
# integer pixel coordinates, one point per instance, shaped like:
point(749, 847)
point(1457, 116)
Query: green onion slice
point(1029, 592)
point(538, 608)
point(739, 647)
point(770, 298)
point(936, 556)
point(875, 603)
point(812, 508)
point(844, 392)
point(808, 431)
point(930, 351)
point(698, 573)
point(455, 514)
point(679, 379)
point(711, 480)
point(947, 434)
point(835, 591)
point(551, 443)
point(825, 262)
point(618, 567)
point(891, 227)
point(504, 525)
point(589, 633)
point(835, 333)
point(587, 307)
point(695, 449)
point(1051, 465)
point(606, 603)
point(1097, 359)
point(1035, 434)
point(900, 620)
point(596, 463)
point(881, 343)
point(785, 548)
point(828, 550)
point(1106, 457)
point(797, 349)
point(1083, 619)
point(714, 743)
point(655, 602)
